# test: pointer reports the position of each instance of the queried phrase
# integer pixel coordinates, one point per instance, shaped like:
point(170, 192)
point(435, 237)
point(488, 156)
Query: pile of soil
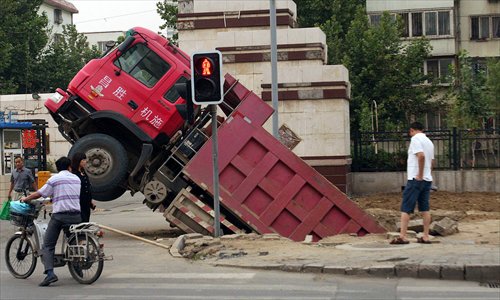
point(478, 215)
point(462, 207)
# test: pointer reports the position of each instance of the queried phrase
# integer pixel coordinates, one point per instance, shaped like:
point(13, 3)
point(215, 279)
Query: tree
point(334, 17)
point(23, 35)
point(384, 71)
point(493, 85)
point(167, 9)
point(62, 59)
point(473, 96)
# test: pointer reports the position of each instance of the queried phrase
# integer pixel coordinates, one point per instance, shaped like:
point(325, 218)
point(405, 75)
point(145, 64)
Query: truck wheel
point(106, 164)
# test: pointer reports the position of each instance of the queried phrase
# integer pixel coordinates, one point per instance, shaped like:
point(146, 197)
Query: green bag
point(5, 213)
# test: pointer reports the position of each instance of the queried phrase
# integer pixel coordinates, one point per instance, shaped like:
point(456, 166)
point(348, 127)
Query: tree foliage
point(334, 17)
point(384, 72)
point(29, 60)
point(167, 9)
point(473, 96)
point(62, 59)
point(23, 36)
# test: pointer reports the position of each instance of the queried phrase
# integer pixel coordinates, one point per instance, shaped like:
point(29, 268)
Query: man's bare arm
point(421, 164)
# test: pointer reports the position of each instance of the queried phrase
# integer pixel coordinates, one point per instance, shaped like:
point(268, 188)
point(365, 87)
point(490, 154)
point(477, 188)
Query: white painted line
point(183, 275)
point(184, 297)
point(213, 286)
point(443, 289)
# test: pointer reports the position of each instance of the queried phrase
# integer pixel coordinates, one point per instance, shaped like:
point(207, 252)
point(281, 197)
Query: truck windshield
point(143, 64)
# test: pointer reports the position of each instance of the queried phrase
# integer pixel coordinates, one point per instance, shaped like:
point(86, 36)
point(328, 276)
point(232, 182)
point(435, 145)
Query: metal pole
point(215, 161)
point(274, 68)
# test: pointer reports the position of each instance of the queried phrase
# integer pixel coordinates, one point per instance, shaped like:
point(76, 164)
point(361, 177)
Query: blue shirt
point(22, 179)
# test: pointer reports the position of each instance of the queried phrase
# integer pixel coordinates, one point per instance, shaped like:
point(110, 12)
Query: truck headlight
point(56, 97)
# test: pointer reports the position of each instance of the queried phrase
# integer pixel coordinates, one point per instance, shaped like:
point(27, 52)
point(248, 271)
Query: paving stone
point(292, 267)
point(482, 272)
point(406, 270)
point(192, 236)
point(334, 269)
point(313, 268)
point(232, 236)
point(452, 272)
point(415, 225)
point(445, 226)
point(429, 270)
point(382, 271)
point(271, 236)
point(357, 270)
point(394, 234)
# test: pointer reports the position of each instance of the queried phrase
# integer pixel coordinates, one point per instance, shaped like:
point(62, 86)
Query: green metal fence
point(454, 149)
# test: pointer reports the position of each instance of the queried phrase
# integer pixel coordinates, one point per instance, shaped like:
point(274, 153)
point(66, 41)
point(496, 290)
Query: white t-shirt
point(420, 143)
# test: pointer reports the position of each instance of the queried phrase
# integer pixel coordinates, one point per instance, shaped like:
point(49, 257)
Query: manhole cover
point(376, 246)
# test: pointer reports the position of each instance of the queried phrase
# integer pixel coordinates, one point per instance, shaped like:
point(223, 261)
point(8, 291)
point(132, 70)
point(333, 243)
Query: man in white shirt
point(418, 186)
point(64, 188)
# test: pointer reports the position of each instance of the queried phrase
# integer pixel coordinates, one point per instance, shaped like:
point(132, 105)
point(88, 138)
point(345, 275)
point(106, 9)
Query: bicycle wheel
point(88, 269)
point(20, 256)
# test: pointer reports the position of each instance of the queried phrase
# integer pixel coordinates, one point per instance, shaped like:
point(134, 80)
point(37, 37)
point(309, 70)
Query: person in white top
point(418, 186)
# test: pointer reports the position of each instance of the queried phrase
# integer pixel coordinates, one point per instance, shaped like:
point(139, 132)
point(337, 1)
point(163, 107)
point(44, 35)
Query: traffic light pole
point(274, 67)
point(215, 161)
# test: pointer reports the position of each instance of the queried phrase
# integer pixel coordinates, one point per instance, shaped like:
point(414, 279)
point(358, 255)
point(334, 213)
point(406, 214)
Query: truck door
point(158, 72)
point(114, 85)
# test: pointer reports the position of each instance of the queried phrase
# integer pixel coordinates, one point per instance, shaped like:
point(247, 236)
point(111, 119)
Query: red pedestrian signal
point(206, 77)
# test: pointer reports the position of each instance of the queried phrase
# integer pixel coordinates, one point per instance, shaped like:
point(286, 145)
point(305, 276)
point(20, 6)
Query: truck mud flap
point(191, 215)
point(272, 190)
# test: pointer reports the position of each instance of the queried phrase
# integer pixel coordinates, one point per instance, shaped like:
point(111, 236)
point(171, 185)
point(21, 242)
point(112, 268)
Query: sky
point(114, 15)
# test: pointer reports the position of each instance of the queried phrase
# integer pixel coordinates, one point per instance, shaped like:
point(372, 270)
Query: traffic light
point(183, 88)
point(206, 78)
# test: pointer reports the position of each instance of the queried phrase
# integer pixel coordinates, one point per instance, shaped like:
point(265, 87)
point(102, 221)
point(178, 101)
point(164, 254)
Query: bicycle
point(81, 249)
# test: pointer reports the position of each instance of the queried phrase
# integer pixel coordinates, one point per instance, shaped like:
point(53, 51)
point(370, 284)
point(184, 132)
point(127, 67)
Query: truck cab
point(122, 109)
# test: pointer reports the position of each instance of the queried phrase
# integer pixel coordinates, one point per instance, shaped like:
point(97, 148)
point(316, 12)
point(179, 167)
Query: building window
point(485, 27)
point(496, 27)
point(58, 38)
point(430, 23)
point(101, 46)
point(416, 24)
point(438, 70)
point(375, 19)
point(406, 24)
point(58, 18)
point(444, 22)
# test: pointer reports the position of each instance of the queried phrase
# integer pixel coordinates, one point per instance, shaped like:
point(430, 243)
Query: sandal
point(422, 241)
point(399, 241)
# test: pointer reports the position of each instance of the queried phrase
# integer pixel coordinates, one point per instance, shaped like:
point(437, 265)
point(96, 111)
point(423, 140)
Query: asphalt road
point(143, 271)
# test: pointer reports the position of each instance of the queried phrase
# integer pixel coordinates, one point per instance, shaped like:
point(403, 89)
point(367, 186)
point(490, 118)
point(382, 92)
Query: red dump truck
point(124, 112)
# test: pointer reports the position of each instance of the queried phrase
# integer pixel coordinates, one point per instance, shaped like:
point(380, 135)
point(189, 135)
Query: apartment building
point(451, 26)
point(59, 13)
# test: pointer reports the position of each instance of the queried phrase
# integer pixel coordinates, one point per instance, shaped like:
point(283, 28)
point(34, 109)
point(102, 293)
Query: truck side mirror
point(126, 43)
point(185, 110)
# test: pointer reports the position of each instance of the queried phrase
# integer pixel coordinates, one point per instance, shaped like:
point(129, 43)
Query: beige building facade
point(313, 97)
point(59, 13)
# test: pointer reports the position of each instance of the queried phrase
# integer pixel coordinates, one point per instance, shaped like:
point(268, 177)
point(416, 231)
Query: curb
point(480, 273)
point(426, 269)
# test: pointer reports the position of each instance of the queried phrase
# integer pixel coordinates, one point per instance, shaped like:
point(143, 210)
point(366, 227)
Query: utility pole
point(274, 67)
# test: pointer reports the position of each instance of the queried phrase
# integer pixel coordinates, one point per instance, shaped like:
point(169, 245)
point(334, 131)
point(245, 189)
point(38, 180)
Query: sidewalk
point(449, 259)
point(453, 258)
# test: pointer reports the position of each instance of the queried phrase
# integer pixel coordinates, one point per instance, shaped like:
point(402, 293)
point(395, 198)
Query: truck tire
point(106, 164)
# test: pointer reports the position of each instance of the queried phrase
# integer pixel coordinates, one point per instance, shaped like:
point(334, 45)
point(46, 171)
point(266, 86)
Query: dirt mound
point(463, 207)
